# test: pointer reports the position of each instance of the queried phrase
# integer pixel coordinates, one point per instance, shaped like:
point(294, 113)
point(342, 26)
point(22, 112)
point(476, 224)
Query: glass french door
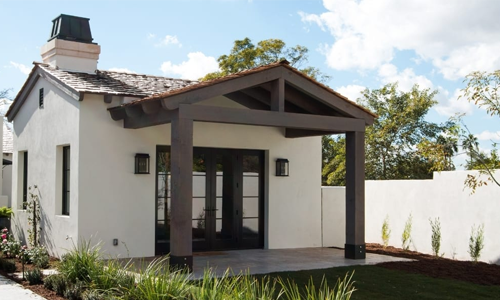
point(227, 199)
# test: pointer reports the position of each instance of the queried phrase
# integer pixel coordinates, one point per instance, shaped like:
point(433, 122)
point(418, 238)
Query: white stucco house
point(151, 165)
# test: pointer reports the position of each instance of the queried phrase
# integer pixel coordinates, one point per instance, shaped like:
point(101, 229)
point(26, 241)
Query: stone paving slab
point(10, 290)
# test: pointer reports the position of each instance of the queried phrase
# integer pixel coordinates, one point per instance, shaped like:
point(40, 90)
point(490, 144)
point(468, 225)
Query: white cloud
point(450, 106)
point(456, 37)
point(170, 40)
point(406, 79)
point(488, 136)
point(352, 91)
point(151, 36)
point(460, 62)
point(197, 65)
point(123, 70)
point(24, 69)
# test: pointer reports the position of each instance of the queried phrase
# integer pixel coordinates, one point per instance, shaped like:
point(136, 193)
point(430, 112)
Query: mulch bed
point(438, 267)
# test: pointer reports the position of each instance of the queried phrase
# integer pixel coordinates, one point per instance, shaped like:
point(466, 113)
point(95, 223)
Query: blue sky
point(360, 44)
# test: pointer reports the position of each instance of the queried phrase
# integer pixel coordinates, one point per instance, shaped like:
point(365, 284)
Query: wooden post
point(278, 95)
point(181, 251)
point(355, 195)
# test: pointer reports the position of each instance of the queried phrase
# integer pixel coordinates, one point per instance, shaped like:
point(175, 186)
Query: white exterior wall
point(39, 131)
point(116, 203)
point(443, 197)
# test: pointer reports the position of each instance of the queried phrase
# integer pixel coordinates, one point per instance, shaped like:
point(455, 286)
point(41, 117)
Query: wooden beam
point(108, 98)
point(307, 103)
point(151, 107)
point(222, 88)
point(261, 94)
point(247, 101)
point(278, 95)
point(181, 239)
point(145, 120)
point(270, 118)
point(298, 133)
point(327, 97)
point(355, 195)
point(134, 111)
point(117, 113)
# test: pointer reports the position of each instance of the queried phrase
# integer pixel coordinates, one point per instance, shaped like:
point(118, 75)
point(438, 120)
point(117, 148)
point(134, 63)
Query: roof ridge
point(147, 75)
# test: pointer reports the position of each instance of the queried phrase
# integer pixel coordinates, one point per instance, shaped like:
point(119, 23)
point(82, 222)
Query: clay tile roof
point(116, 83)
point(198, 85)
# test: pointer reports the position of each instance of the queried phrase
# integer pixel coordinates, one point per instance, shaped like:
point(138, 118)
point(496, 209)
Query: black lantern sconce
point(141, 163)
point(282, 168)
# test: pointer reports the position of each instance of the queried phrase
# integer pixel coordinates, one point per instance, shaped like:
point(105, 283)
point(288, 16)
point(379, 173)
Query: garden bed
point(438, 267)
point(435, 267)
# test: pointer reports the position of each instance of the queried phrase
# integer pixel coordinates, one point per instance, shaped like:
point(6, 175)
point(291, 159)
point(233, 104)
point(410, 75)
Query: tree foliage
point(401, 144)
point(482, 89)
point(246, 55)
point(4, 93)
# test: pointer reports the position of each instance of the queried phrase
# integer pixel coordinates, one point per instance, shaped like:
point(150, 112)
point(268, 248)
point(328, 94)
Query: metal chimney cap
point(71, 28)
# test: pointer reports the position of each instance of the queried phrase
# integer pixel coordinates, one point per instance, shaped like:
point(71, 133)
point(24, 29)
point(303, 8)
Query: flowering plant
point(9, 246)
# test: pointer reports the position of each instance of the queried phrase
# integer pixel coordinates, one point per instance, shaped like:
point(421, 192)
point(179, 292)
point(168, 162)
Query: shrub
point(436, 236)
point(386, 232)
point(476, 242)
point(75, 291)
point(38, 256)
point(406, 236)
point(157, 280)
point(7, 265)
point(6, 212)
point(82, 263)
point(56, 283)
point(34, 276)
point(342, 291)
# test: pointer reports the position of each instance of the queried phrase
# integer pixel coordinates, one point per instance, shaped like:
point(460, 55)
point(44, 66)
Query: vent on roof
point(71, 28)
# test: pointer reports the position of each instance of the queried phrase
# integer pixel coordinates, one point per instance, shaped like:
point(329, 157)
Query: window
point(66, 180)
point(40, 98)
point(25, 179)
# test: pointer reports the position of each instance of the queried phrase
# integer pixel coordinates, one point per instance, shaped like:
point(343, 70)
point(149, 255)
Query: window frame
point(66, 170)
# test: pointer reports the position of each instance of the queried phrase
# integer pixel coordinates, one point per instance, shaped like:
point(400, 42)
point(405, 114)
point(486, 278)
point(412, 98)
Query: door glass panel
point(198, 208)
point(199, 175)
point(250, 207)
point(250, 184)
point(163, 197)
point(250, 228)
point(198, 229)
point(224, 204)
point(199, 196)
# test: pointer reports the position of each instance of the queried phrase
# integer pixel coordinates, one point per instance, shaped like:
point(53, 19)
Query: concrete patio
point(261, 261)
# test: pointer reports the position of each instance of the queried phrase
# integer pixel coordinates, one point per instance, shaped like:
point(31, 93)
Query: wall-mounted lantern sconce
point(282, 168)
point(141, 163)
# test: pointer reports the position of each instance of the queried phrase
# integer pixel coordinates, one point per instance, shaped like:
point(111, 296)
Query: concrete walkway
point(10, 290)
point(262, 261)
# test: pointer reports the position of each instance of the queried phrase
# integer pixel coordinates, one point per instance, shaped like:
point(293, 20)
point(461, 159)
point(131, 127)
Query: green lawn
point(374, 282)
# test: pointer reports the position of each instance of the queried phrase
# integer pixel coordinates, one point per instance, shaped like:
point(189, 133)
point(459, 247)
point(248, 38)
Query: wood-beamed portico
point(275, 95)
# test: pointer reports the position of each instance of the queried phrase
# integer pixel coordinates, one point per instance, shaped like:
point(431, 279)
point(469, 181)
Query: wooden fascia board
point(222, 88)
point(62, 86)
point(327, 97)
point(21, 98)
point(270, 118)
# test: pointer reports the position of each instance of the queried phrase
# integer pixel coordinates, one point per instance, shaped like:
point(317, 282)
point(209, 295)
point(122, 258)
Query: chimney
point(70, 45)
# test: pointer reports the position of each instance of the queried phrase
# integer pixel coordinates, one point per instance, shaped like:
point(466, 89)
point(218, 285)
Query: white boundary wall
point(443, 197)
